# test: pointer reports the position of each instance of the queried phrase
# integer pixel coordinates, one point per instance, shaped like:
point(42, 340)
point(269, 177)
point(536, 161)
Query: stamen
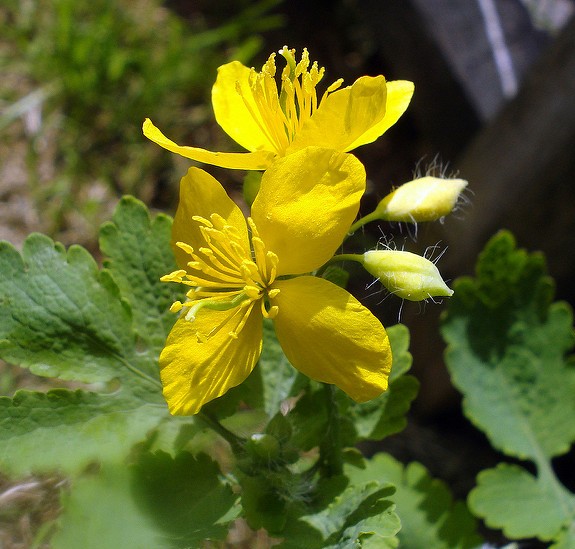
point(281, 115)
point(194, 280)
point(260, 256)
point(200, 293)
point(185, 247)
point(242, 322)
point(253, 292)
point(207, 269)
point(237, 311)
point(272, 261)
point(272, 313)
point(202, 220)
point(226, 274)
point(209, 253)
point(259, 117)
point(176, 276)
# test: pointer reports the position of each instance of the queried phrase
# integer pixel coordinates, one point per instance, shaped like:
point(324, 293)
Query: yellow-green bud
point(405, 274)
point(424, 199)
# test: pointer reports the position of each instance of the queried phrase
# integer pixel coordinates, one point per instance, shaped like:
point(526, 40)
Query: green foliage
point(279, 379)
point(62, 317)
point(140, 506)
point(136, 255)
point(359, 516)
point(507, 347)
point(144, 476)
point(429, 516)
point(521, 504)
point(281, 495)
point(385, 415)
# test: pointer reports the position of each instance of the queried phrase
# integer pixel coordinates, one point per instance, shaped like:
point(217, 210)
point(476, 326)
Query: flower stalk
point(331, 456)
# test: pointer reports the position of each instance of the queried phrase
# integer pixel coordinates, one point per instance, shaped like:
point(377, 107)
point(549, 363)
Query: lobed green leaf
point(137, 255)
point(60, 316)
point(510, 498)
point(506, 353)
point(361, 515)
point(507, 346)
point(66, 430)
point(162, 502)
point(429, 516)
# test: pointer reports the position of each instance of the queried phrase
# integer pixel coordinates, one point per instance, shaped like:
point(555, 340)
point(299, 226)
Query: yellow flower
point(241, 272)
point(271, 123)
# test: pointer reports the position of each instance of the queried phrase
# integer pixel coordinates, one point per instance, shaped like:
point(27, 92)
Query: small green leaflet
point(429, 516)
point(360, 515)
point(62, 317)
point(507, 347)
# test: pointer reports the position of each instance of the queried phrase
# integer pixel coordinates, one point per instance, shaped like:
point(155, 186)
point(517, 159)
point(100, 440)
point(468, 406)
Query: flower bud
point(424, 199)
point(405, 274)
point(261, 445)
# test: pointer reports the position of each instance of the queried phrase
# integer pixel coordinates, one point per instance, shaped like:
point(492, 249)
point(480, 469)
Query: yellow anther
point(335, 86)
point(269, 66)
point(273, 293)
point(185, 247)
point(202, 220)
point(253, 292)
point(218, 222)
point(273, 312)
point(176, 307)
point(176, 276)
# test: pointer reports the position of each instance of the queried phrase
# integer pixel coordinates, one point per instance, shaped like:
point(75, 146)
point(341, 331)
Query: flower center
point(281, 115)
point(225, 274)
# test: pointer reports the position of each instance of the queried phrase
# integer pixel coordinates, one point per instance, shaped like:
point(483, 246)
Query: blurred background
point(494, 104)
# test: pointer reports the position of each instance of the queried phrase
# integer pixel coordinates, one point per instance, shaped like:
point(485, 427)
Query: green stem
point(547, 476)
point(344, 257)
point(331, 456)
point(373, 216)
point(234, 441)
point(337, 258)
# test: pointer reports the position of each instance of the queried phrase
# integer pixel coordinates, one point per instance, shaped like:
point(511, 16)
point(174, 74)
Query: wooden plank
point(521, 168)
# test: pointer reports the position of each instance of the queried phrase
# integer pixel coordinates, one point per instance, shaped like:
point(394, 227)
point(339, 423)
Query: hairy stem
point(234, 441)
point(330, 448)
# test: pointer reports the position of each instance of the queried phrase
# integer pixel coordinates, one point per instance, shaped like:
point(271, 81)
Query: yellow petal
point(258, 160)
point(345, 115)
point(194, 373)
point(331, 337)
point(232, 108)
point(202, 195)
point(306, 204)
point(399, 93)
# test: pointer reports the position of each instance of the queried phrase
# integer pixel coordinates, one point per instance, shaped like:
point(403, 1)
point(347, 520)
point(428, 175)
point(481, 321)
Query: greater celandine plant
point(274, 370)
point(268, 268)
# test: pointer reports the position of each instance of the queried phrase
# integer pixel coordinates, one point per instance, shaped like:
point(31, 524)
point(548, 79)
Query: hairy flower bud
point(406, 274)
point(424, 199)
